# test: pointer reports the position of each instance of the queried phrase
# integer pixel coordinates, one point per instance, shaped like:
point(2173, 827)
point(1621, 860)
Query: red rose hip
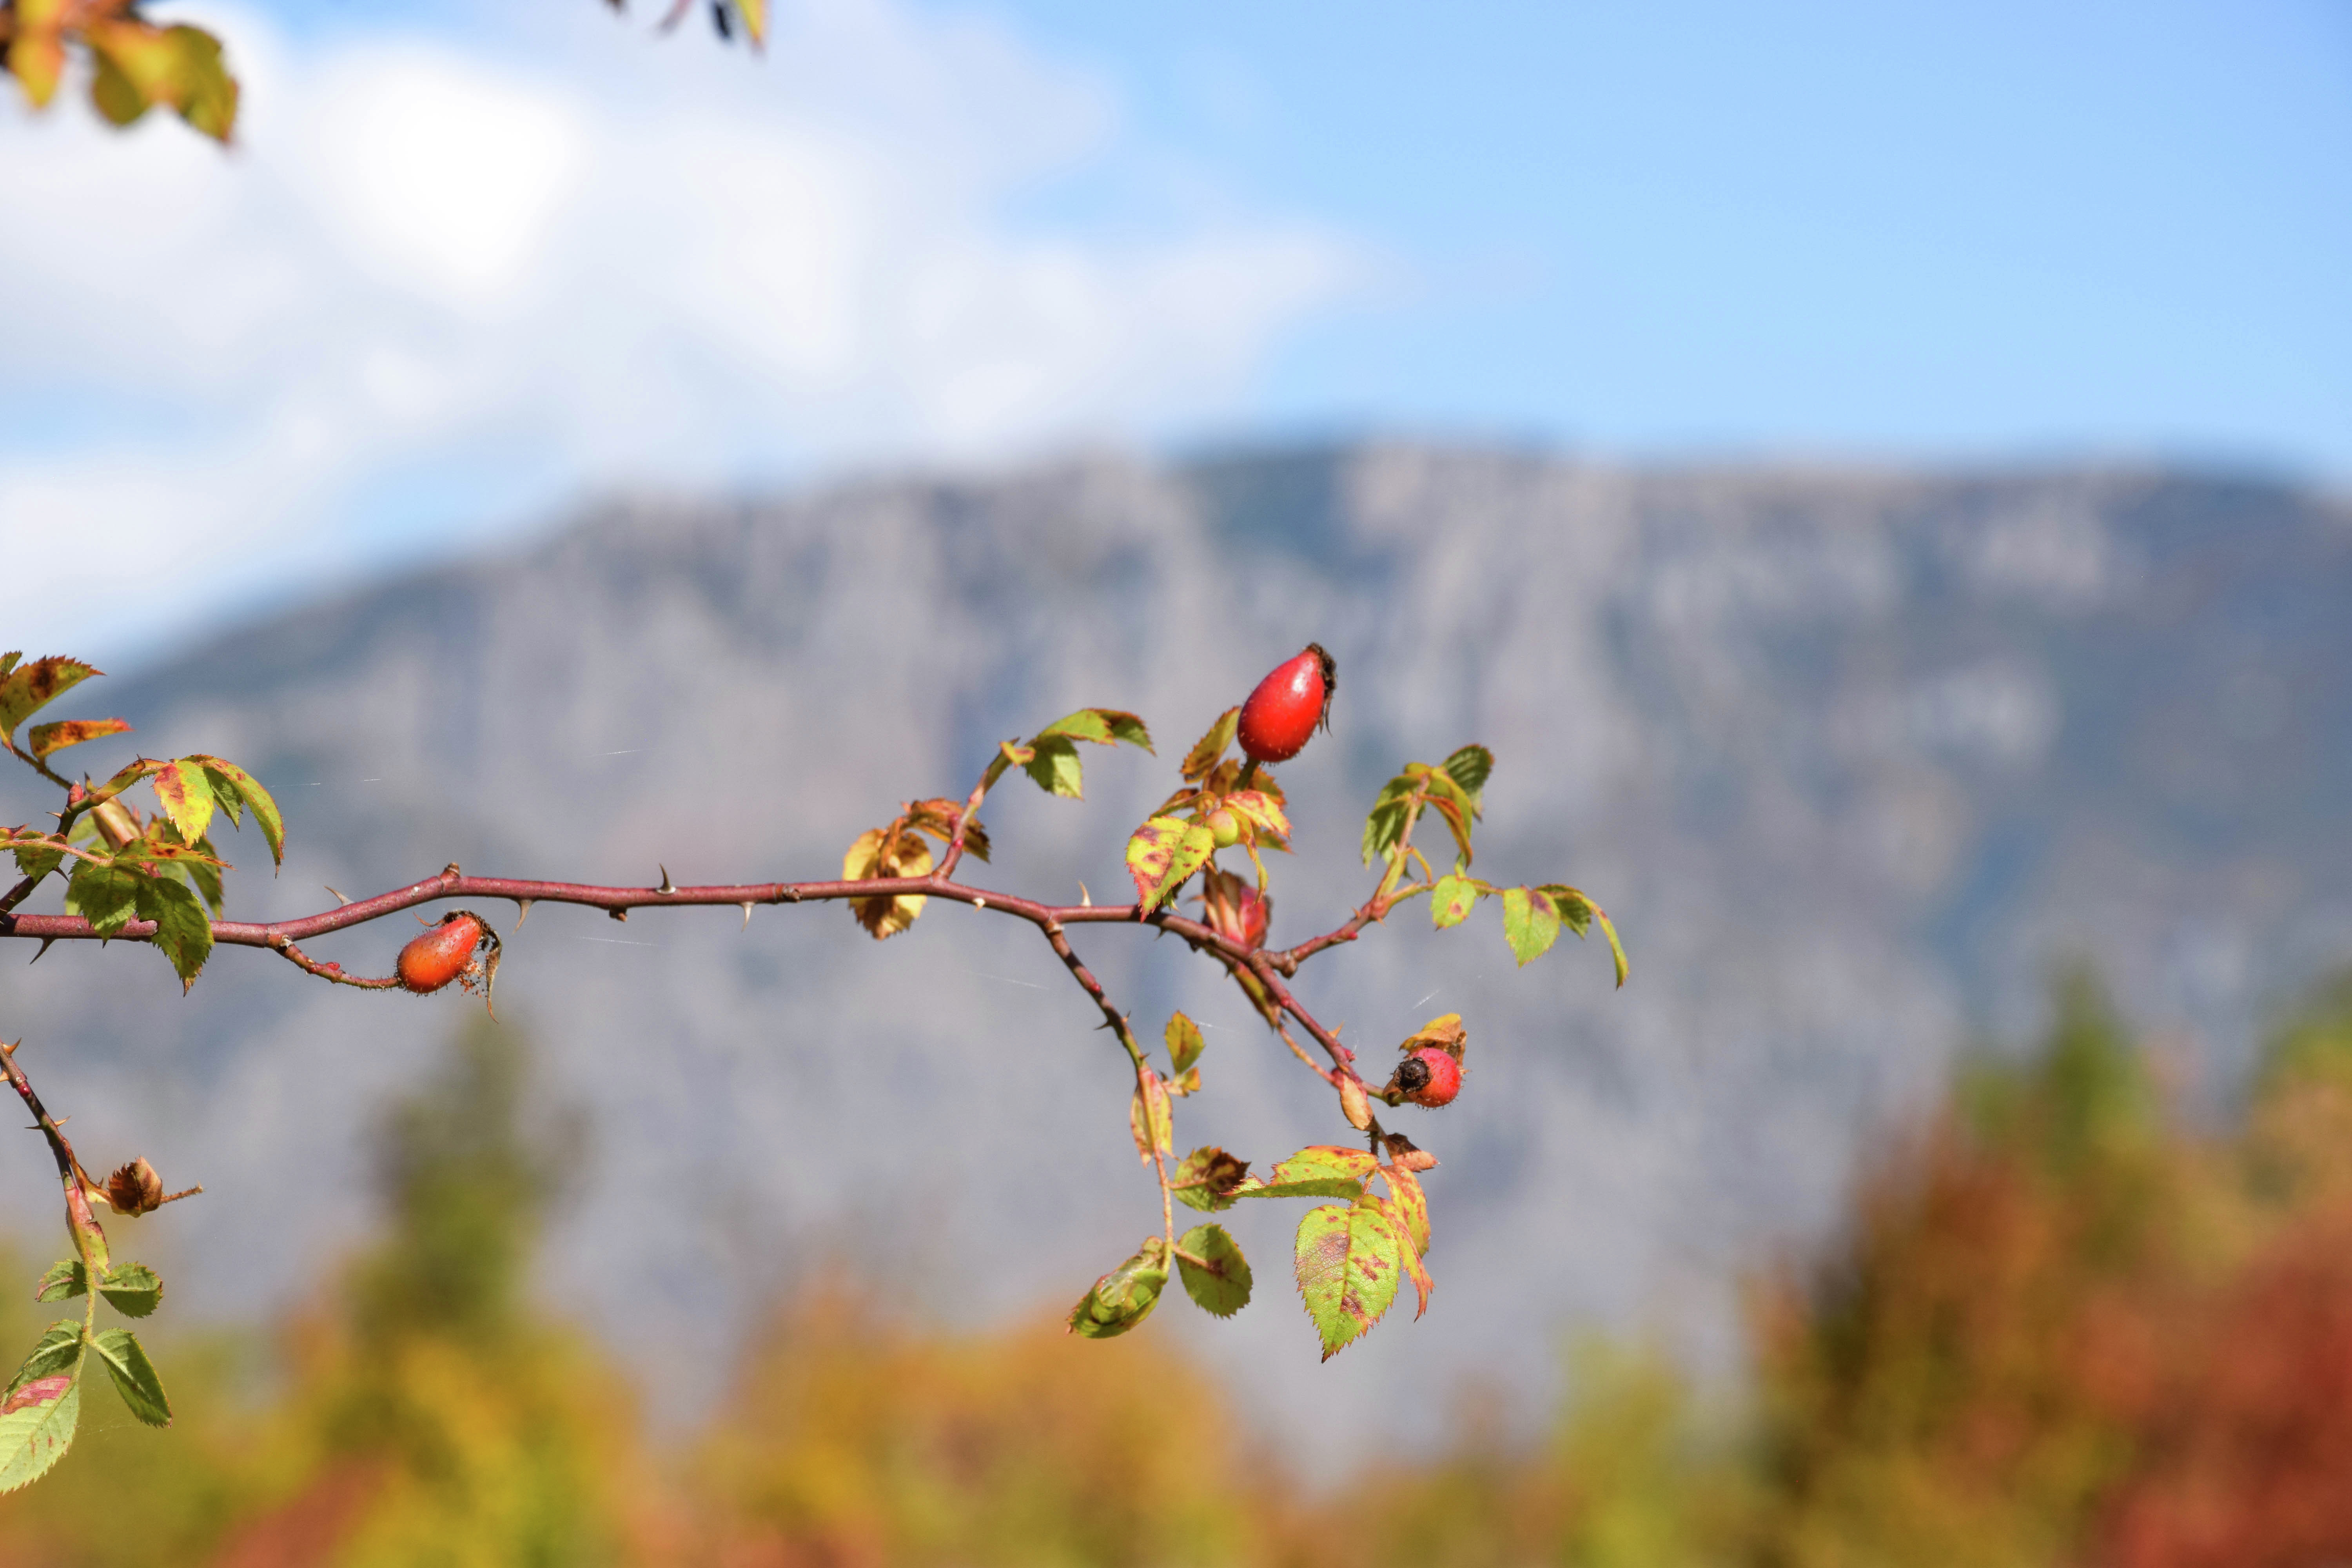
point(1282, 714)
point(441, 954)
point(1429, 1077)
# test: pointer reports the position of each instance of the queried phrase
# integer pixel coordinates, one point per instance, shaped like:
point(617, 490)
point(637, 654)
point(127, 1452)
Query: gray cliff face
point(1851, 757)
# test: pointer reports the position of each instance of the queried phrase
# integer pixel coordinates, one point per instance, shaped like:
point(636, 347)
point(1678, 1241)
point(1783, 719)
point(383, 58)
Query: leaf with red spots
point(1349, 1261)
point(1324, 1171)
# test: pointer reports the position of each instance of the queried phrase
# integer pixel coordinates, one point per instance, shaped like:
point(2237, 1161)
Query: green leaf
point(186, 796)
point(1324, 1171)
point(1185, 1043)
point(27, 688)
point(1384, 827)
point(1207, 1178)
point(1580, 912)
point(58, 1350)
point(133, 1290)
point(1162, 853)
point(231, 786)
point(1124, 1297)
point(135, 1376)
point(38, 862)
point(1455, 807)
point(105, 896)
point(202, 871)
point(1220, 1281)
point(36, 1426)
point(1053, 763)
point(1348, 1263)
point(1469, 768)
point(44, 738)
point(1103, 726)
point(181, 931)
point(1451, 901)
point(1409, 1250)
point(9, 661)
point(1209, 748)
point(1531, 922)
point(64, 1278)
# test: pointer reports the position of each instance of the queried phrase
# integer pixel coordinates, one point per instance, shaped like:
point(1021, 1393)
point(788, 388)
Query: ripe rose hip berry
point(1429, 1077)
point(441, 954)
point(1281, 715)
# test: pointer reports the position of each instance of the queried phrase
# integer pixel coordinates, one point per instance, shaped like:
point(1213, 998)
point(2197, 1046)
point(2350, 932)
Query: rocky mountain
point(1851, 756)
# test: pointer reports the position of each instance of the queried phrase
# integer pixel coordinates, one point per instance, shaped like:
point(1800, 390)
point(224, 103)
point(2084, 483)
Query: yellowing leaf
point(44, 738)
point(1162, 853)
point(1409, 1204)
point(1210, 747)
point(1260, 810)
point(881, 852)
point(1348, 1262)
point(29, 687)
point(1531, 922)
point(1579, 912)
point(1452, 900)
point(1324, 1171)
point(233, 787)
point(1149, 1118)
point(186, 796)
point(1184, 1042)
point(1408, 1251)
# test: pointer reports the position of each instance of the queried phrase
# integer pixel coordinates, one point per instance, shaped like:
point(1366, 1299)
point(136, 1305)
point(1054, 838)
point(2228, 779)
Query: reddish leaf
point(1347, 1259)
point(27, 688)
point(1149, 1118)
point(44, 738)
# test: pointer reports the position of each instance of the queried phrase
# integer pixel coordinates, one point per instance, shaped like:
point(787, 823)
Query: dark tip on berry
point(1412, 1075)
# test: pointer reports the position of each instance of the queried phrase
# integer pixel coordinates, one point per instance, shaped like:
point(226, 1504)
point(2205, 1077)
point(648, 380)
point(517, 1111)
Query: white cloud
point(579, 258)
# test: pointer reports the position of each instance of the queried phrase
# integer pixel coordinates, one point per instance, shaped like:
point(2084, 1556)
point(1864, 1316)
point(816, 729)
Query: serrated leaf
point(64, 1278)
point(130, 774)
point(1053, 764)
point(9, 661)
point(1207, 1177)
point(1103, 726)
point(1530, 923)
point(1149, 1118)
point(1190, 1083)
point(1384, 826)
point(1162, 853)
point(103, 895)
point(181, 932)
point(34, 861)
point(135, 1376)
point(1408, 1252)
point(56, 1352)
point(1184, 1042)
point(186, 792)
point(36, 1426)
point(1124, 1297)
point(133, 1290)
point(1452, 900)
point(27, 688)
point(232, 786)
point(1409, 1204)
point(1470, 768)
point(1324, 1171)
point(1220, 1281)
point(1263, 811)
point(1578, 910)
point(1445, 1031)
point(1347, 1264)
point(1209, 748)
point(42, 740)
point(939, 817)
point(881, 852)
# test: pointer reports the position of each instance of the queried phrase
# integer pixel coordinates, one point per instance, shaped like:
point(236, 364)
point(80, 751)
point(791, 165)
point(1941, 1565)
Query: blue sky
point(473, 263)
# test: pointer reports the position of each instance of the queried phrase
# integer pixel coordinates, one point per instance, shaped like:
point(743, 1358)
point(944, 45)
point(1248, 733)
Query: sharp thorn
point(747, 914)
point(340, 899)
point(1086, 899)
point(665, 887)
point(618, 914)
point(47, 943)
point(523, 908)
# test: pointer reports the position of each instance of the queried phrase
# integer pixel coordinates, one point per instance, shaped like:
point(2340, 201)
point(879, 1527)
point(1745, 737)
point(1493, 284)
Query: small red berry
point(444, 953)
point(1429, 1077)
point(1281, 715)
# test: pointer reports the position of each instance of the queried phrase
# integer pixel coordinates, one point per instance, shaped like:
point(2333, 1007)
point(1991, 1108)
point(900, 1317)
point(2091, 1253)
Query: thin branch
point(1116, 1021)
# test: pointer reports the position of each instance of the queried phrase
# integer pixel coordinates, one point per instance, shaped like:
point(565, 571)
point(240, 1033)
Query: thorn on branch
point(341, 902)
point(666, 889)
point(47, 943)
point(747, 915)
point(618, 914)
point(522, 911)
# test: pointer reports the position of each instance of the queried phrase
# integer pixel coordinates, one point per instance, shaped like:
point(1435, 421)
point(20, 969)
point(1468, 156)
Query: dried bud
point(1404, 1157)
point(135, 1189)
point(1354, 1104)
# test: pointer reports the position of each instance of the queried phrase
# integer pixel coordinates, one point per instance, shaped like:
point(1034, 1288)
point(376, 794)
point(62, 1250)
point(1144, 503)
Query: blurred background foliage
point(2066, 1321)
